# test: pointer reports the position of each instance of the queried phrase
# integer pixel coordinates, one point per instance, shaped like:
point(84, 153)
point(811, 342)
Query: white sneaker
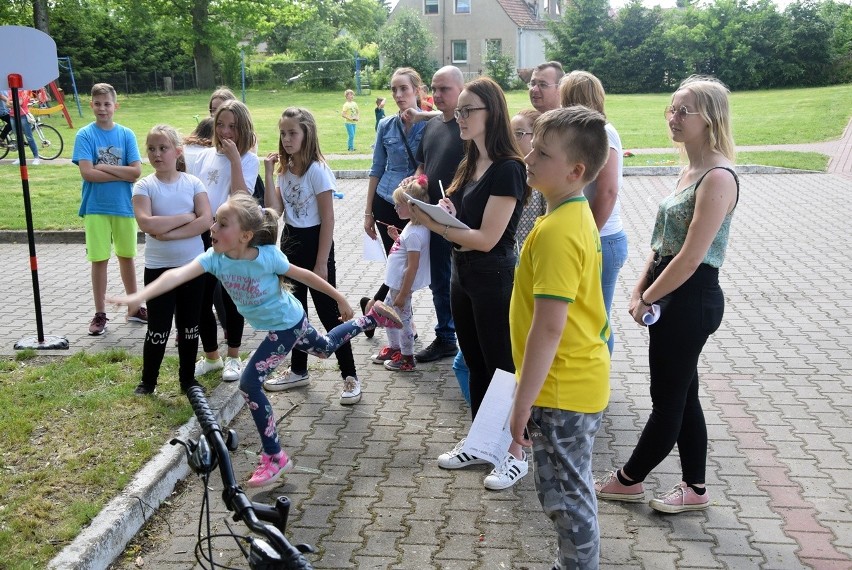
point(233, 369)
point(16, 162)
point(507, 473)
point(351, 391)
point(35, 161)
point(285, 381)
point(204, 366)
point(456, 459)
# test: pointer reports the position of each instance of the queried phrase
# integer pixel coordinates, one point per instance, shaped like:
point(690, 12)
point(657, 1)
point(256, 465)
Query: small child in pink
point(407, 271)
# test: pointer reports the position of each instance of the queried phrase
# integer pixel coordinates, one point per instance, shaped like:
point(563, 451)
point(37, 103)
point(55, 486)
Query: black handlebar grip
point(206, 417)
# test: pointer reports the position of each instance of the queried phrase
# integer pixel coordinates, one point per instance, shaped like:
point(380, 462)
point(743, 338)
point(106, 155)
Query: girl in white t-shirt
point(172, 209)
point(407, 271)
point(228, 167)
point(303, 191)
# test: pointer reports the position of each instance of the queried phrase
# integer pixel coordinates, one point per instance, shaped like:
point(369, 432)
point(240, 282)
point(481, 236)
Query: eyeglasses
point(521, 134)
point(464, 112)
point(681, 113)
point(541, 85)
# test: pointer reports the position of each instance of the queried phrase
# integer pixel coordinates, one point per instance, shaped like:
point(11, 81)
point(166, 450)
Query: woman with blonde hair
point(583, 88)
point(679, 286)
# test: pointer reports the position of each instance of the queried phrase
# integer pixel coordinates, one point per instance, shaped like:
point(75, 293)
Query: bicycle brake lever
point(203, 460)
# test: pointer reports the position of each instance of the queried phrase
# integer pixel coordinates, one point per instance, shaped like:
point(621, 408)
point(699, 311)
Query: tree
point(406, 42)
point(499, 66)
point(40, 16)
point(581, 37)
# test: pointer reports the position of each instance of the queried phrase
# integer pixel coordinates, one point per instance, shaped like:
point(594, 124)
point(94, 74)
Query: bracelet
point(643, 301)
point(369, 216)
point(446, 229)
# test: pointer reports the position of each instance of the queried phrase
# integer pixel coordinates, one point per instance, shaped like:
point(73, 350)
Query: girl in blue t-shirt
point(247, 262)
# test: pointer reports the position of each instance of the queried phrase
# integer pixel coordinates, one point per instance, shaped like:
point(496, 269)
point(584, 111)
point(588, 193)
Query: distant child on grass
point(303, 192)
point(172, 209)
point(380, 111)
point(350, 116)
point(407, 271)
point(249, 265)
point(559, 329)
point(108, 157)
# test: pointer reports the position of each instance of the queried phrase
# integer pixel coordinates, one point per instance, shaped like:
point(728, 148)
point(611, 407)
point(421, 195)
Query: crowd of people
point(522, 279)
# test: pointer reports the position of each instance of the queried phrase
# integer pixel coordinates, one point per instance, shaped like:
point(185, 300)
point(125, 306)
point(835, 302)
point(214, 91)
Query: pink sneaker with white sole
point(271, 468)
point(680, 499)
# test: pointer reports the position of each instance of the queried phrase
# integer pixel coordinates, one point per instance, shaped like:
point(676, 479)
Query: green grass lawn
point(73, 436)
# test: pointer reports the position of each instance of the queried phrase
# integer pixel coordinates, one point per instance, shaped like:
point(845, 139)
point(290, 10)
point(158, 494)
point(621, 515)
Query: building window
point(462, 6)
point(459, 51)
point(430, 6)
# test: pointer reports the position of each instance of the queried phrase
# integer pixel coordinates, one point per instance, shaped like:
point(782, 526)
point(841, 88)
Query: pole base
point(50, 343)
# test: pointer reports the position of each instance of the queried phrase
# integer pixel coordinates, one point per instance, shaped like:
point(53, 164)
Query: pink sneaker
point(385, 316)
point(610, 488)
point(680, 499)
point(271, 468)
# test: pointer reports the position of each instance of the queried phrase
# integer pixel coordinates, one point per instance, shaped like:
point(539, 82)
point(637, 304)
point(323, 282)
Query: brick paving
point(776, 388)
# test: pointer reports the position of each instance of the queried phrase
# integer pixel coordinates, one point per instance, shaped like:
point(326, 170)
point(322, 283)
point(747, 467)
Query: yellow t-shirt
point(561, 259)
point(350, 112)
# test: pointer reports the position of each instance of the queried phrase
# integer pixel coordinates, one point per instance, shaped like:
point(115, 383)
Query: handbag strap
point(405, 144)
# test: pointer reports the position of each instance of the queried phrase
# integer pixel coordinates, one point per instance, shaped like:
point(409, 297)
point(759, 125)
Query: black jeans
point(480, 291)
point(233, 321)
point(184, 304)
point(300, 245)
point(690, 314)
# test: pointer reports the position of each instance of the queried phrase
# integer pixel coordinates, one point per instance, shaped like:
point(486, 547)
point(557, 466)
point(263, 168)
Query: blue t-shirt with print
point(116, 146)
point(254, 287)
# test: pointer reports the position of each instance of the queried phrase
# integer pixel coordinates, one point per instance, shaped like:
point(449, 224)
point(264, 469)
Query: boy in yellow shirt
point(559, 329)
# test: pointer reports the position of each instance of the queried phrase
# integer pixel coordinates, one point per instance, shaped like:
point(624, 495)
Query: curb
point(99, 544)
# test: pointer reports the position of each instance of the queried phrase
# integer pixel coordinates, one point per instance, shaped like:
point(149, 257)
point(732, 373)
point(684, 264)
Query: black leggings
point(233, 321)
point(184, 304)
point(690, 314)
point(300, 245)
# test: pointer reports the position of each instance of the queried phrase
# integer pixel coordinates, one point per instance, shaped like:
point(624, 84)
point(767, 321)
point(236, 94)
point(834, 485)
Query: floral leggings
point(272, 352)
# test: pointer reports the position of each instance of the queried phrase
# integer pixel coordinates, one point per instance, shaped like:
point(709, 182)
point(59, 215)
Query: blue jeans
point(350, 130)
point(440, 266)
point(27, 129)
point(462, 375)
point(614, 249)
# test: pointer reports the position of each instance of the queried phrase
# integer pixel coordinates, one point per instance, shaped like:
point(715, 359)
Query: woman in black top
point(487, 194)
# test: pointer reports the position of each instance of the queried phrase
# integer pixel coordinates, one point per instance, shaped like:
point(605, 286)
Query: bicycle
point(271, 552)
point(51, 143)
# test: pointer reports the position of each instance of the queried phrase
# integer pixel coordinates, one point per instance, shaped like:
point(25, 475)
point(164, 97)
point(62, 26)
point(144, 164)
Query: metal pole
point(15, 83)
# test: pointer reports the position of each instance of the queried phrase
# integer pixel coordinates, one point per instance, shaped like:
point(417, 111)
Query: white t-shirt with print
point(412, 238)
point(214, 170)
point(299, 194)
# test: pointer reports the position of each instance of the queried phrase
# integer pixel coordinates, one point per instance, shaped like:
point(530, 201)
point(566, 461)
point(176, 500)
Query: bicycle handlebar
point(235, 498)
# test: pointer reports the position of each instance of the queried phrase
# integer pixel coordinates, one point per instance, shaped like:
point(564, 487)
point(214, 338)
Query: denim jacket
point(390, 160)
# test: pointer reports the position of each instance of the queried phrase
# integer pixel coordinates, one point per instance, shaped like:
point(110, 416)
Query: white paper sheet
point(438, 214)
point(652, 316)
point(489, 436)
point(374, 250)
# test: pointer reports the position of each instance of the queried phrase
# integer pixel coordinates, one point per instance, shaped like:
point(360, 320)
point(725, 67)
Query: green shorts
point(102, 231)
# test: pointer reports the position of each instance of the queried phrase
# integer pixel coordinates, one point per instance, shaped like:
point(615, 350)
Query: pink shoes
point(610, 488)
point(271, 468)
point(680, 499)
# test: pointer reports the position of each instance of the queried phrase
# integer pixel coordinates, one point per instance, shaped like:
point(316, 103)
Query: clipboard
point(438, 214)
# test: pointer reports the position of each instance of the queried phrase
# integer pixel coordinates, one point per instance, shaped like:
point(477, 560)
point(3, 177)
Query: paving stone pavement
point(776, 388)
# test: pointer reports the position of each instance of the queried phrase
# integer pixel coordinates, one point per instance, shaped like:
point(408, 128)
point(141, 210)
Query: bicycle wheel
point(4, 150)
point(50, 141)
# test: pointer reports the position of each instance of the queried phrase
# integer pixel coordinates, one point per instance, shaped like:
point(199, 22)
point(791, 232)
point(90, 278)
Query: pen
point(441, 186)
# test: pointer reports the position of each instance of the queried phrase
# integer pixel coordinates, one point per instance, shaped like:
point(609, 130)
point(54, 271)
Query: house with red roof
point(465, 29)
